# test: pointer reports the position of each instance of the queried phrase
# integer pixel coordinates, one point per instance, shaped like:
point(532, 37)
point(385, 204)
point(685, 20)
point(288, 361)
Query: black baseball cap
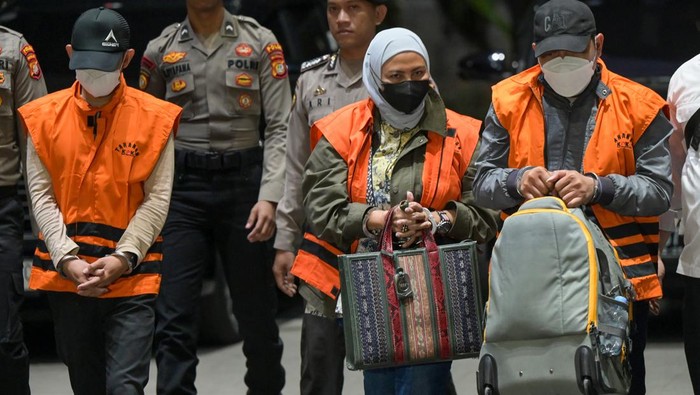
point(100, 38)
point(563, 25)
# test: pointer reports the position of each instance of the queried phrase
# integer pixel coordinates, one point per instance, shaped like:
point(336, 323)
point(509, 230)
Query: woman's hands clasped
point(409, 221)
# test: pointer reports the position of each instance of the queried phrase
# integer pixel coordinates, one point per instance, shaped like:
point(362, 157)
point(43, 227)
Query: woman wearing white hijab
point(394, 146)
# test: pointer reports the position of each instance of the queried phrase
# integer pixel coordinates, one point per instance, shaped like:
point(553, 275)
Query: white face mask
point(568, 76)
point(98, 83)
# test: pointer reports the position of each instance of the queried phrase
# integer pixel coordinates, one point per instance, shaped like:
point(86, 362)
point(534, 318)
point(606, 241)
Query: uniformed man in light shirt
point(326, 84)
point(226, 72)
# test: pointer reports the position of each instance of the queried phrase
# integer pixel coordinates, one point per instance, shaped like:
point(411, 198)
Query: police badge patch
point(172, 57)
point(277, 63)
point(143, 80)
point(245, 80)
point(244, 50)
point(245, 101)
point(178, 85)
point(32, 61)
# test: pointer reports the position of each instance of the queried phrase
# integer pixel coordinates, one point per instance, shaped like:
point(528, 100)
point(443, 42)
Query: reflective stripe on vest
point(637, 243)
point(145, 279)
point(317, 264)
point(621, 120)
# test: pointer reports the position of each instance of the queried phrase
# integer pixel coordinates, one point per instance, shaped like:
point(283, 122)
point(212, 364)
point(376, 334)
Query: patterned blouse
point(381, 164)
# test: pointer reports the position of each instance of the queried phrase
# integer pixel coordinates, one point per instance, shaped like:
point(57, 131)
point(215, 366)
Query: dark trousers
point(691, 329)
point(14, 358)
point(106, 343)
point(640, 315)
point(208, 213)
point(425, 379)
point(322, 356)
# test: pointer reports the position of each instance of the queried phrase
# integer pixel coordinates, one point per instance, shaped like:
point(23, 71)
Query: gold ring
point(404, 228)
point(403, 205)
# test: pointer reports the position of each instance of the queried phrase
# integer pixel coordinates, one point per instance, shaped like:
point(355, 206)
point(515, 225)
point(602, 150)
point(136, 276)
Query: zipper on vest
point(92, 122)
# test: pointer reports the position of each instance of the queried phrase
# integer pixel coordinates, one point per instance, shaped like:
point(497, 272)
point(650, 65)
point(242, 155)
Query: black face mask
point(406, 96)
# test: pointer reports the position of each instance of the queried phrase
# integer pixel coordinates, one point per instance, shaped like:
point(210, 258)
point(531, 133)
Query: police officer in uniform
point(326, 84)
point(225, 71)
point(21, 81)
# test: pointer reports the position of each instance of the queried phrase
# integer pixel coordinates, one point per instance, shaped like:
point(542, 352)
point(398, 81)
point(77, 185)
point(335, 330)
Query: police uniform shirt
point(323, 87)
point(223, 89)
point(21, 81)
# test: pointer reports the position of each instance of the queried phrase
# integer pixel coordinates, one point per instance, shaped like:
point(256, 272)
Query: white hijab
point(383, 47)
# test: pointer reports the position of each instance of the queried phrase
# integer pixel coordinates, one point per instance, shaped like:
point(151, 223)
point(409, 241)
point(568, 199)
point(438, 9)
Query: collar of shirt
point(345, 77)
point(229, 28)
point(334, 70)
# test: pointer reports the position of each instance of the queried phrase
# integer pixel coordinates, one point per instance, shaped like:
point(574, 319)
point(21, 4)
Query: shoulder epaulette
point(167, 35)
point(248, 19)
point(10, 31)
point(333, 62)
point(314, 63)
point(170, 29)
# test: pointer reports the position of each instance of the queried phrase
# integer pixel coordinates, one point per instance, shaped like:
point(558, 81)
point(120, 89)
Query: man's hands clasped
point(94, 279)
point(574, 188)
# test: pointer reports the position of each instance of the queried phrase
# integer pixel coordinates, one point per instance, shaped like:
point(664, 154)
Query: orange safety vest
point(446, 161)
point(98, 161)
point(621, 121)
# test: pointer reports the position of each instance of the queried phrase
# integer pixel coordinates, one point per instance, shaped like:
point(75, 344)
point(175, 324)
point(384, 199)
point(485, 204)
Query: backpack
point(552, 286)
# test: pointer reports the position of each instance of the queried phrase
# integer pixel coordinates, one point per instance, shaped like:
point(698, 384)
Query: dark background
point(300, 25)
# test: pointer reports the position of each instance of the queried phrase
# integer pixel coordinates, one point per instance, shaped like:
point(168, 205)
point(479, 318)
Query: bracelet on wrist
point(127, 258)
point(429, 215)
point(372, 234)
point(597, 189)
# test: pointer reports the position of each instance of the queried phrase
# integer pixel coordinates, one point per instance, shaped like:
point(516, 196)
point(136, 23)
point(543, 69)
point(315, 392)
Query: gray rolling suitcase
point(551, 316)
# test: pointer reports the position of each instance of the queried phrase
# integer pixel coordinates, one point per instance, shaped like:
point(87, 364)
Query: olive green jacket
point(334, 218)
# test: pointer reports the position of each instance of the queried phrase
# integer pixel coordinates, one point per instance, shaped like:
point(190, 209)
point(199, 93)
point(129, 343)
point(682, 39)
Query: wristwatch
point(444, 225)
point(129, 257)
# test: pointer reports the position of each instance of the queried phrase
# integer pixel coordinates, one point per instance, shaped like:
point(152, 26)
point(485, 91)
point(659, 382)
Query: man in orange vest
point(100, 170)
point(570, 127)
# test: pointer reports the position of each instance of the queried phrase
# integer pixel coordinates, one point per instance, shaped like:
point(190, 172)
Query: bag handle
point(395, 277)
point(386, 245)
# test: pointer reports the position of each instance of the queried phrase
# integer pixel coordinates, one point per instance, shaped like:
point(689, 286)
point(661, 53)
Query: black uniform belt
point(228, 160)
point(692, 131)
point(8, 191)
